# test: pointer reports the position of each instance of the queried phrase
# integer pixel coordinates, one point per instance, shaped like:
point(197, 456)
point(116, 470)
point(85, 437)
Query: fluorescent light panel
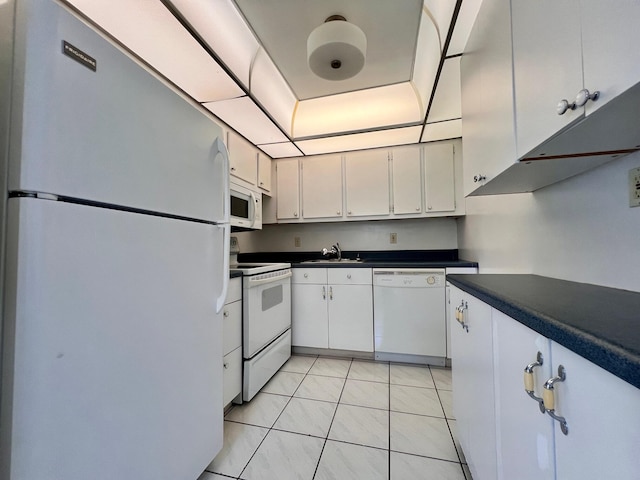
point(272, 91)
point(427, 59)
point(360, 141)
point(446, 103)
point(361, 110)
point(245, 117)
point(280, 150)
point(442, 130)
point(222, 27)
point(148, 29)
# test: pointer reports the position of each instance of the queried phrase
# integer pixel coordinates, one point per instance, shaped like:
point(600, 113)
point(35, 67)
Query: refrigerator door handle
point(220, 148)
point(225, 267)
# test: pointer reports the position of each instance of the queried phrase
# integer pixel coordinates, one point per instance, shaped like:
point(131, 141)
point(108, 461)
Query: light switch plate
point(634, 187)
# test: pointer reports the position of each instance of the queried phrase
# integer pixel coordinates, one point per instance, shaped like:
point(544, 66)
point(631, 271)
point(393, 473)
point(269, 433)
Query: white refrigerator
point(115, 266)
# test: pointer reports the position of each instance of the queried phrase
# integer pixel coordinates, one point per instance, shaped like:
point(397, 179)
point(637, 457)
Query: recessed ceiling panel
point(391, 28)
point(466, 18)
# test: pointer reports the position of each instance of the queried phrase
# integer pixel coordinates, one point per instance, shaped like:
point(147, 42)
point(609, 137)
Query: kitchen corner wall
point(415, 234)
point(581, 229)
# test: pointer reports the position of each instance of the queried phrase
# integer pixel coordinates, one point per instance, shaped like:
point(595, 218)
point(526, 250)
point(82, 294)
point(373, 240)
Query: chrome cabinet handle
point(349, 212)
point(584, 96)
point(418, 209)
point(528, 381)
point(330, 293)
point(564, 105)
point(338, 213)
point(324, 293)
point(225, 313)
point(295, 214)
point(548, 396)
point(226, 365)
point(460, 309)
point(306, 275)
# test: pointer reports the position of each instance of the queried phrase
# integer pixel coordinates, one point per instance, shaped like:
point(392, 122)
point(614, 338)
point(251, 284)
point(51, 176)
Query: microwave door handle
point(252, 209)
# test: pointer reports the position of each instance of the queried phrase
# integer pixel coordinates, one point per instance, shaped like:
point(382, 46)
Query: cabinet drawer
point(235, 290)
point(232, 376)
point(309, 275)
point(349, 276)
point(231, 326)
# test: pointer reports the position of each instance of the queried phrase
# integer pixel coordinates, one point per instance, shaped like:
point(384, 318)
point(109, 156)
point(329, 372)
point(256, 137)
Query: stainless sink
point(334, 260)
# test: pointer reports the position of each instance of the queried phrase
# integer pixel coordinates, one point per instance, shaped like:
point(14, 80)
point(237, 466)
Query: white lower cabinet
point(232, 342)
point(525, 433)
point(332, 308)
point(602, 412)
point(473, 380)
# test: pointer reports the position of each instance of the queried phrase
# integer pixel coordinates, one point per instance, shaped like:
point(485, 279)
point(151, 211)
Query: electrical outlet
point(296, 241)
point(634, 187)
point(393, 238)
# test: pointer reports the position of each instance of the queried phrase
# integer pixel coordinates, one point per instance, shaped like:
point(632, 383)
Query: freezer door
point(114, 347)
point(117, 135)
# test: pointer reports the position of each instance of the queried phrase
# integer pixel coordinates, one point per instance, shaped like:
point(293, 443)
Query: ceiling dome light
point(336, 49)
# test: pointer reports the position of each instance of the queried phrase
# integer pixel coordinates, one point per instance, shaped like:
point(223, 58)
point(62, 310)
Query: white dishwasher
point(409, 315)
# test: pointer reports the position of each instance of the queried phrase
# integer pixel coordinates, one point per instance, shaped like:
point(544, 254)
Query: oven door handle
point(255, 282)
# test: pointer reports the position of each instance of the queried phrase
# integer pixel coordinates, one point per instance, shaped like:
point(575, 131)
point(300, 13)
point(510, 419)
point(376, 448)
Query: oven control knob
point(431, 280)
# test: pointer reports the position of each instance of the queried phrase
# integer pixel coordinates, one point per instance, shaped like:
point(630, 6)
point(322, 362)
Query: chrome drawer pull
point(548, 396)
point(528, 381)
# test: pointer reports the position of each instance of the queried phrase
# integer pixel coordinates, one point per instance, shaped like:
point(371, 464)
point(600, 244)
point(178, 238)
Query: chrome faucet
point(335, 250)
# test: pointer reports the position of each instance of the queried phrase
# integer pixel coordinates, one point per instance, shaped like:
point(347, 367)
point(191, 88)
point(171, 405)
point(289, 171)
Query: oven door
point(266, 309)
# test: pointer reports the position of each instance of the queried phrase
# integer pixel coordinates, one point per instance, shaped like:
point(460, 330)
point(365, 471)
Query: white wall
point(415, 234)
point(581, 229)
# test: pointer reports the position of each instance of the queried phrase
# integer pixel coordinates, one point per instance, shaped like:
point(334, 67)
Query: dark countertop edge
point(235, 274)
point(387, 264)
point(609, 356)
point(422, 256)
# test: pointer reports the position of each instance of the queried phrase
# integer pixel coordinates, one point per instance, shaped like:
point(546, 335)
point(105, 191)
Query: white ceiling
point(245, 60)
point(391, 28)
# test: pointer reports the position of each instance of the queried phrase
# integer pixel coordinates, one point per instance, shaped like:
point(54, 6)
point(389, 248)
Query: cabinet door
point(407, 187)
point(526, 448)
point(309, 325)
point(351, 317)
point(486, 76)
point(547, 53)
point(243, 159)
point(473, 384)
point(264, 172)
point(611, 59)
point(439, 178)
point(367, 182)
point(288, 187)
point(321, 186)
point(603, 416)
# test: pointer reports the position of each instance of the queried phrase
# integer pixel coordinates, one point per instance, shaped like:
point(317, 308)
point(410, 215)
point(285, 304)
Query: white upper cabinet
point(439, 179)
point(547, 67)
point(264, 172)
point(407, 184)
point(367, 183)
point(610, 54)
point(321, 186)
point(288, 188)
point(243, 158)
point(527, 74)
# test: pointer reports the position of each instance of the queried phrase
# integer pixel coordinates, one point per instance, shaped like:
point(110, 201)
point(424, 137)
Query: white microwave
point(245, 208)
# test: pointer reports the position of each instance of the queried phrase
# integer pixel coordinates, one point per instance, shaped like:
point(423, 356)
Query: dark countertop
point(386, 264)
point(235, 274)
point(370, 259)
point(598, 323)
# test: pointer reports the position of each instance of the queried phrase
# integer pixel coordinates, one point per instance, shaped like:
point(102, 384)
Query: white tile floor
point(324, 418)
